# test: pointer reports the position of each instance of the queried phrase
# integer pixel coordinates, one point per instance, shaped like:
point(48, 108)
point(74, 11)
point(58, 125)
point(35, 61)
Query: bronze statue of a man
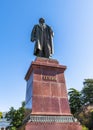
point(42, 34)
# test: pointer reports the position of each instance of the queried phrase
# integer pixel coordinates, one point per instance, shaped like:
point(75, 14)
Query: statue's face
point(41, 21)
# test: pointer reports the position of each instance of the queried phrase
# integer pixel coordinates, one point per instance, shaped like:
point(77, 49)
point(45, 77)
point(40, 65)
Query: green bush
point(84, 128)
point(13, 128)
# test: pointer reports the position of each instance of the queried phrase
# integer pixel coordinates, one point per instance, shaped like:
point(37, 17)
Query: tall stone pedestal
point(46, 96)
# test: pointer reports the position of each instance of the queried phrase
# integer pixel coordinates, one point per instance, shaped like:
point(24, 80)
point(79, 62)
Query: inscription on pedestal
point(49, 78)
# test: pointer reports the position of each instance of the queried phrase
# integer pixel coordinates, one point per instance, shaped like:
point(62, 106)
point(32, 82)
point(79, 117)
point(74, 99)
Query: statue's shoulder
point(48, 26)
point(36, 26)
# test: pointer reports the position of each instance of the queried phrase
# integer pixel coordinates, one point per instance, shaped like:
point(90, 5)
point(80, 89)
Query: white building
point(3, 122)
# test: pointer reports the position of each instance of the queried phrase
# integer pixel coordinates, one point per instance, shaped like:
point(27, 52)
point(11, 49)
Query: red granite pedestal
point(47, 94)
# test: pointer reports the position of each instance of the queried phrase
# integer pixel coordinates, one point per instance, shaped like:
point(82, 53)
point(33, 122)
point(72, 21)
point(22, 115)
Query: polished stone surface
point(46, 91)
point(48, 88)
point(53, 126)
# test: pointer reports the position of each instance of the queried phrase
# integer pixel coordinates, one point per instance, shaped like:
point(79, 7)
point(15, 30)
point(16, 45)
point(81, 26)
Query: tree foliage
point(1, 115)
point(84, 128)
point(16, 116)
point(87, 91)
point(81, 103)
point(74, 100)
point(86, 117)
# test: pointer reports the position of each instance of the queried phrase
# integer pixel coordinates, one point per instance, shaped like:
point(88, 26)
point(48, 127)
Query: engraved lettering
point(49, 78)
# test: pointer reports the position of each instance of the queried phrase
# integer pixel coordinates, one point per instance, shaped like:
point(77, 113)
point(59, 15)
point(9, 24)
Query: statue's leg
point(46, 50)
point(40, 53)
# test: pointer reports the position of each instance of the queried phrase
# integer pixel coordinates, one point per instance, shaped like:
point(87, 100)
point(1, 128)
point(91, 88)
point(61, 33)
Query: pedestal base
point(52, 123)
point(46, 96)
point(52, 126)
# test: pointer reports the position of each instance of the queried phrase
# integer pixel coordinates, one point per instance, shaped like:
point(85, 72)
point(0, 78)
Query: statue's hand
point(33, 39)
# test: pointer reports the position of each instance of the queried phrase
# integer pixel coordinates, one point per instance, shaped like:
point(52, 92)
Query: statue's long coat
point(42, 38)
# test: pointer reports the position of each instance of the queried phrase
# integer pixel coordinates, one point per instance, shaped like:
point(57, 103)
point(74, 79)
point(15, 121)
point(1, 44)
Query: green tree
point(87, 91)
point(13, 128)
point(0, 115)
point(10, 114)
point(84, 128)
point(81, 103)
point(74, 100)
point(16, 116)
point(90, 122)
point(87, 98)
point(86, 117)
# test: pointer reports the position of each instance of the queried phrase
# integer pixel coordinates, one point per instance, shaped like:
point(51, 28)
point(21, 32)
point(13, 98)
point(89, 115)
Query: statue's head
point(41, 21)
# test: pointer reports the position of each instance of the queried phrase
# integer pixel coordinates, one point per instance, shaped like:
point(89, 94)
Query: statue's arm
point(33, 34)
point(51, 31)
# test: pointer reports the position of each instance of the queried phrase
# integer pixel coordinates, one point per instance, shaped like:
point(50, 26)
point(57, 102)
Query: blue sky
point(72, 23)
